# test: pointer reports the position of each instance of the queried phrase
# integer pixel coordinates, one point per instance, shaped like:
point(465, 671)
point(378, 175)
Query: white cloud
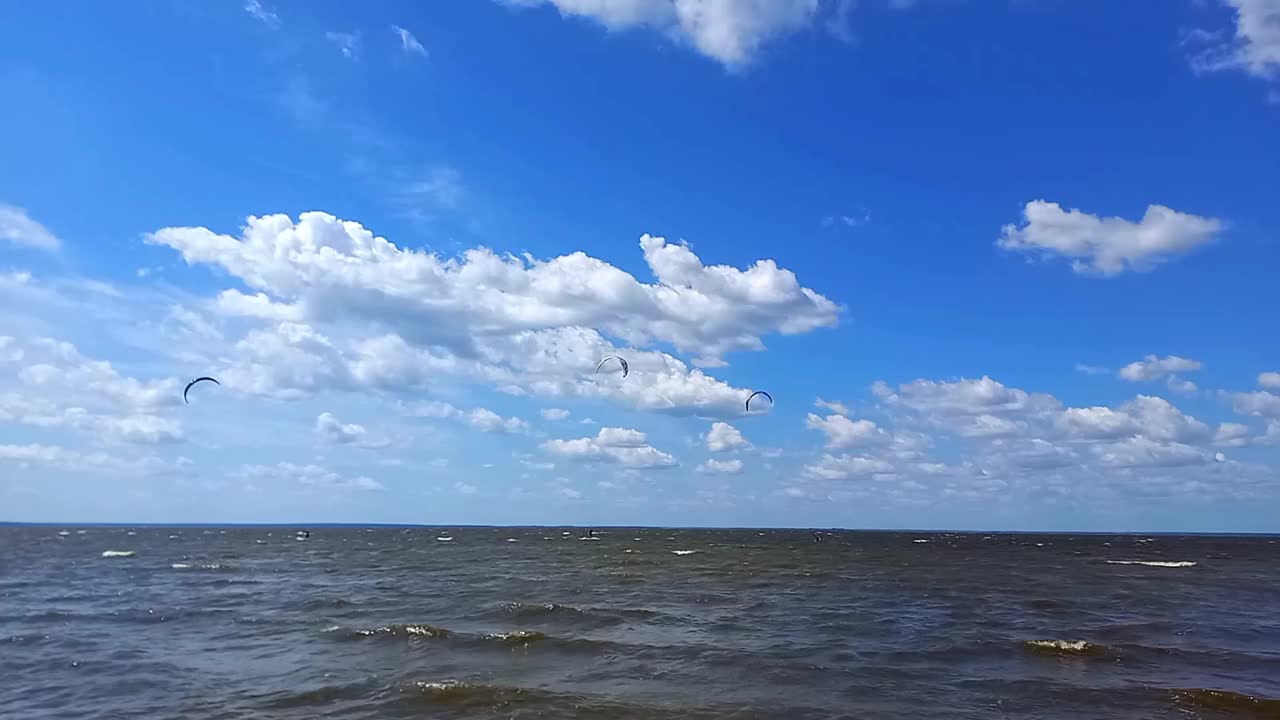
point(334, 432)
point(90, 462)
point(1091, 369)
point(1231, 434)
point(728, 31)
point(843, 433)
point(567, 492)
point(838, 408)
point(1108, 246)
point(234, 303)
point(486, 420)
point(341, 269)
point(1154, 368)
point(465, 488)
point(20, 229)
point(1032, 454)
point(434, 409)
point(347, 43)
point(723, 437)
point(408, 42)
point(480, 418)
point(846, 467)
point(1145, 452)
point(1185, 387)
point(1097, 423)
point(963, 397)
point(723, 467)
point(1255, 49)
point(1259, 403)
point(554, 414)
point(57, 386)
point(620, 446)
point(262, 14)
point(1159, 420)
point(1269, 380)
point(307, 475)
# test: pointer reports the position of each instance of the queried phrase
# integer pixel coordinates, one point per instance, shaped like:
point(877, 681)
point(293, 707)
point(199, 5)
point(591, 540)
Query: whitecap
point(180, 566)
point(1155, 563)
point(63, 533)
point(589, 539)
point(920, 540)
point(683, 552)
point(173, 537)
point(444, 538)
point(512, 540)
point(80, 532)
point(1075, 646)
point(261, 542)
point(131, 533)
point(118, 553)
point(300, 539)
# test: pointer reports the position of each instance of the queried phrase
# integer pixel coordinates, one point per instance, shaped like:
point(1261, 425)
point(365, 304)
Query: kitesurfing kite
point(758, 392)
point(193, 382)
point(625, 368)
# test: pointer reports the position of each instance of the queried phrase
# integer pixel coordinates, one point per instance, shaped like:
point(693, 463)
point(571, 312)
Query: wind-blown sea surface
point(115, 622)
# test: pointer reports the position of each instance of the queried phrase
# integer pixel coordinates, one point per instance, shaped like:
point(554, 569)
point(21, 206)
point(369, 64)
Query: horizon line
point(273, 524)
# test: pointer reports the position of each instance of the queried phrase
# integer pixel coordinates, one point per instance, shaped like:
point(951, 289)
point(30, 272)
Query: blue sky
point(1001, 264)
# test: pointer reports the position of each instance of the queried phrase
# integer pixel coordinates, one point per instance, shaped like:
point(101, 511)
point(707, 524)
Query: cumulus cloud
point(723, 437)
point(1269, 380)
point(620, 446)
point(838, 408)
point(18, 228)
point(722, 467)
point(90, 462)
point(518, 323)
point(1107, 246)
point(555, 414)
point(843, 433)
point(847, 467)
point(1231, 434)
point(480, 418)
point(728, 31)
point(340, 269)
point(963, 397)
point(408, 42)
point(57, 386)
point(334, 432)
point(486, 420)
point(1259, 403)
point(1145, 452)
point(1154, 368)
point(1255, 46)
point(310, 475)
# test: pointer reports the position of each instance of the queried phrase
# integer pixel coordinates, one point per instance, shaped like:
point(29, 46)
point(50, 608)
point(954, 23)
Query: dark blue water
point(391, 623)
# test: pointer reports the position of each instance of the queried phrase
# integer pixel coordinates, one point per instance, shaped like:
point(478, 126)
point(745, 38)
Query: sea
point(633, 623)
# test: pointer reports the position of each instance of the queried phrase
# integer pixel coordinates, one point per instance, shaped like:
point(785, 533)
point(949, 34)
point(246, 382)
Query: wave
point(323, 695)
point(920, 540)
point(683, 552)
point(118, 553)
point(516, 637)
point(209, 567)
point(461, 694)
point(1227, 701)
point(1155, 563)
point(398, 630)
point(552, 611)
point(1063, 647)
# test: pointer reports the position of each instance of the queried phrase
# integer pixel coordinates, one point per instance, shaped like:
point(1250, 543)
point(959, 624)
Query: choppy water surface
point(536, 623)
